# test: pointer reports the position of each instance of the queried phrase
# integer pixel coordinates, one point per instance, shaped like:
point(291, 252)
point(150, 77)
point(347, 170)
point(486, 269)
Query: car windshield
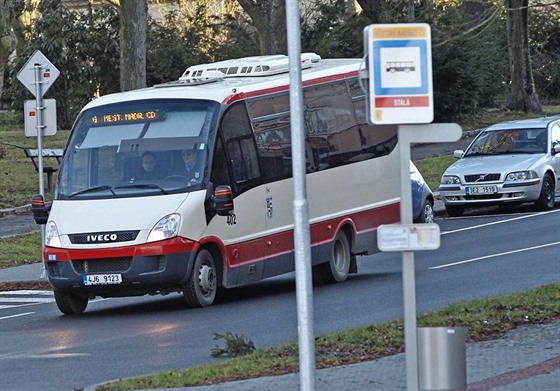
point(509, 141)
point(137, 148)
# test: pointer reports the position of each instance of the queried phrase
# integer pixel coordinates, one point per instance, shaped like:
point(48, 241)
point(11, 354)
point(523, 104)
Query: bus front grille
point(106, 265)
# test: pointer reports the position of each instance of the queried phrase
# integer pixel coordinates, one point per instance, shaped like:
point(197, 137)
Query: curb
point(19, 210)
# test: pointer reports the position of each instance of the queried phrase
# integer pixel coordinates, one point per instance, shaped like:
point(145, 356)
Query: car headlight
point(166, 228)
point(521, 176)
point(52, 238)
point(450, 180)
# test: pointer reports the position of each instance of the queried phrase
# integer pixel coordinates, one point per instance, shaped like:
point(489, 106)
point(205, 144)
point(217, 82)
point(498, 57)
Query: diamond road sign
point(47, 74)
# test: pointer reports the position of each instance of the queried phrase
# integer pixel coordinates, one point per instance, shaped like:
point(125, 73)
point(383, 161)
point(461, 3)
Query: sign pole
point(304, 285)
point(39, 120)
point(31, 75)
point(39, 126)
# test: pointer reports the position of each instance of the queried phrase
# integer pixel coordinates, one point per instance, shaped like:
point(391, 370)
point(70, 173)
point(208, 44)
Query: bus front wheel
point(70, 304)
point(200, 289)
point(338, 267)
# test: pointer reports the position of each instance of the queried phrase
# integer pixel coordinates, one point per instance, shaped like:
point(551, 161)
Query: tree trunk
point(8, 40)
point(374, 10)
point(523, 95)
point(132, 35)
point(269, 18)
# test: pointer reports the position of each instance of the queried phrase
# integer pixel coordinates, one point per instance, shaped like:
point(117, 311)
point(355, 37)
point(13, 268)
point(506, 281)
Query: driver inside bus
point(189, 169)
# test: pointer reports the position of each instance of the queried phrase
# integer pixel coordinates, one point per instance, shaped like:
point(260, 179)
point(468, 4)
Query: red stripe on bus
point(325, 79)
point(175, 245)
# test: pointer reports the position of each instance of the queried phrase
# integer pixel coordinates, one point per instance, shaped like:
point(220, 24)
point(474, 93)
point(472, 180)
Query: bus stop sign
point(399, 73)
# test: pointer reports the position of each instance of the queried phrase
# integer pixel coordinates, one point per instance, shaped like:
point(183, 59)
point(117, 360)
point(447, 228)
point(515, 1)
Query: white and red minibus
point(226, 220)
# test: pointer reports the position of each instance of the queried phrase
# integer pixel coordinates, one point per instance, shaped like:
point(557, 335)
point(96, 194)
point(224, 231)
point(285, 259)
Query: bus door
point(246, 224)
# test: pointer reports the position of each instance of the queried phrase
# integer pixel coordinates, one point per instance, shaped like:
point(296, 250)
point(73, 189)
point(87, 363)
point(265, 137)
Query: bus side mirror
point(222, 200)
point(40, 211)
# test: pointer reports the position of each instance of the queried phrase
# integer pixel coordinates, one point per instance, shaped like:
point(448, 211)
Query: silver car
point(507, 163)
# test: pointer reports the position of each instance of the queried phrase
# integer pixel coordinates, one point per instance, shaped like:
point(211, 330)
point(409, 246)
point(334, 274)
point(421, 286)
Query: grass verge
point(483, 319)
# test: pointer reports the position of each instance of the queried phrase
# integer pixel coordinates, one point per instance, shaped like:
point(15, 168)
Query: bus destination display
point(126, 117)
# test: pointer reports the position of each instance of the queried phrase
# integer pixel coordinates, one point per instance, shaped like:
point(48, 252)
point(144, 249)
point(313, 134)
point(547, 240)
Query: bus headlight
point(52, 238)
point(166, 228)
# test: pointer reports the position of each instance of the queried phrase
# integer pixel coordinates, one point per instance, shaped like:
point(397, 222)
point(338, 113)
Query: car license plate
point(102, 279)
point(481, 190)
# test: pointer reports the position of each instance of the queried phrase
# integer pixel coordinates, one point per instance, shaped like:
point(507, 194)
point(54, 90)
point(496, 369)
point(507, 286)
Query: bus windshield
point(137, 148)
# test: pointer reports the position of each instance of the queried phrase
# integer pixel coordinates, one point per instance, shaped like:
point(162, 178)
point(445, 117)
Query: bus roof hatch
point(248, 66)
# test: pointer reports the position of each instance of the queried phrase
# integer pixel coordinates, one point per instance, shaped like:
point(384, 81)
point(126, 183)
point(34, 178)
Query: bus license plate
point(102, 279)
point(481, 190)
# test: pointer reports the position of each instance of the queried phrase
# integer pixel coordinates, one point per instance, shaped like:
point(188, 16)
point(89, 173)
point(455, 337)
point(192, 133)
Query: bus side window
point(240, 143)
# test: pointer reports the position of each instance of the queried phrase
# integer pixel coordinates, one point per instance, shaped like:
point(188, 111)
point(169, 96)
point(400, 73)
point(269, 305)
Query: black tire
point(546, 198)
point(426, 214)
point(455, 210)
point(70, 304)
point(338, 266)
point(201, 287)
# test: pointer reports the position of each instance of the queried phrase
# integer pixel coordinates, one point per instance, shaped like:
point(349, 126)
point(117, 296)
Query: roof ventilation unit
point(249, 66)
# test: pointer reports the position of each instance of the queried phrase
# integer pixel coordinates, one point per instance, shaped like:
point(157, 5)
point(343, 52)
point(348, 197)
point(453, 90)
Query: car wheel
point(201, 287)
point(338, 267)
point(70, 304)
point(426, 214)
point(546, 198)
point(455, 210)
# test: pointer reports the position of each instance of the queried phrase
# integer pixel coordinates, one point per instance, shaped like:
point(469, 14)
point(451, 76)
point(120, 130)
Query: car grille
point(121, 236)
point(477, 178)
point(103, 265)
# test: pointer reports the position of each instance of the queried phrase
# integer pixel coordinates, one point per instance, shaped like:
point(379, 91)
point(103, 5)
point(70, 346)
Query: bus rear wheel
point(201, 287)
point(70, 304)
point(338, 267)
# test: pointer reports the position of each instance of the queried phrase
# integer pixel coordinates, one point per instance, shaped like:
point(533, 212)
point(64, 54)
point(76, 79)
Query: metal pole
point(304, 286)
point(39, 121)
point(408, 274)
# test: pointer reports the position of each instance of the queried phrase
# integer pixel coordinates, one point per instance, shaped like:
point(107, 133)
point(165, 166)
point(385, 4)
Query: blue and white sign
point(400, 73)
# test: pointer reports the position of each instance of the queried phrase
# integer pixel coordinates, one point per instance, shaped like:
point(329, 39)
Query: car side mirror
point(222, 200)
point(458, 153)
point(555, 149)
point(39, 209)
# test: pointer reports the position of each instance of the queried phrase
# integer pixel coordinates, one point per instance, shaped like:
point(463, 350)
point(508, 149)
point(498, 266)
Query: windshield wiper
point(93, 190)
point(479, 153)
point(143, 186)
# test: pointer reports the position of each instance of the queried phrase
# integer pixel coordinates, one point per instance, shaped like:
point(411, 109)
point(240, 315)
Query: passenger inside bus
point(148, 168)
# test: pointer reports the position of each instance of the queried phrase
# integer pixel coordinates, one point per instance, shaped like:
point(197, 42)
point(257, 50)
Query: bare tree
point(133, 30)
point(523, 95)
point(132, 35)
point(269, 18)
point(9, 11)
point(374, 10)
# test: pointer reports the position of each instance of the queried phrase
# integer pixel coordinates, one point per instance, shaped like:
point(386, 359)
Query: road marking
point(499, 222)
point(21, 298)
point(16, 315)
point(494, 255)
